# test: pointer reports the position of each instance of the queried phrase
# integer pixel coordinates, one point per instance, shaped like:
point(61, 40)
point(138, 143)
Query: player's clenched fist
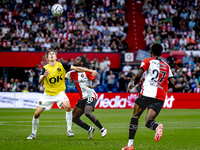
point(46, 73)
point(94, 73)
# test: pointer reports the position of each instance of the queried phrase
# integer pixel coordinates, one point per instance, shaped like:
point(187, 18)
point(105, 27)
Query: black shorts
point(91, 101)
point(143, 102)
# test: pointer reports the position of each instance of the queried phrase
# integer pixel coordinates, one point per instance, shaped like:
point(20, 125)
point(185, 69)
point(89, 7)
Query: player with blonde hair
point(53, 77)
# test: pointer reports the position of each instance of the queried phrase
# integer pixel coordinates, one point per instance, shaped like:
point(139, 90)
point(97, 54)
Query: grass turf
point(181, 131)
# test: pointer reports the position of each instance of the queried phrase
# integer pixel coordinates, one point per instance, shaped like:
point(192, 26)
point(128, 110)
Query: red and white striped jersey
point(197, 90)
point(156, 78)
point(81, 80)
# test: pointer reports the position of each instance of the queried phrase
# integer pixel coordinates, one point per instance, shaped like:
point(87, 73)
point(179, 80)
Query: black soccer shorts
point(91, 101)
point(143, 102)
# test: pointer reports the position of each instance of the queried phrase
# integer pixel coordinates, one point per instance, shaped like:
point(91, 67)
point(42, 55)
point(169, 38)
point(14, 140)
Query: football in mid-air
point(56, 9)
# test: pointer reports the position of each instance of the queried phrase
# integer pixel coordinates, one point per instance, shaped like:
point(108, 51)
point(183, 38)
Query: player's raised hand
point(94, 73)
point(46, 73)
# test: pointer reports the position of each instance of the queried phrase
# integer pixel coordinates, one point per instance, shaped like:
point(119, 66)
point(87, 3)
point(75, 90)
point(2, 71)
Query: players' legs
point(77, 113)
point(67, 107)
point(153, 111)
point(88, 113)
point(134, 123)
point(38, 112)
point(149, 121)
point(35, 120)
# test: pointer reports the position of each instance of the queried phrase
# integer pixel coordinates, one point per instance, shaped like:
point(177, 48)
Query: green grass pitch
point(181, 131)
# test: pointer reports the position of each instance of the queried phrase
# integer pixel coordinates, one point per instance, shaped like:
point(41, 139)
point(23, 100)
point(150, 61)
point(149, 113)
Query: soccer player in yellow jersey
point(53, 77)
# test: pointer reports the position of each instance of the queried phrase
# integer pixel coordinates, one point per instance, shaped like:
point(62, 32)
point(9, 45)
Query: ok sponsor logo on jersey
point(53, 80)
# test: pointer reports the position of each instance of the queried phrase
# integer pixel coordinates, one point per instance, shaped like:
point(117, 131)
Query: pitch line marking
point(53, 126)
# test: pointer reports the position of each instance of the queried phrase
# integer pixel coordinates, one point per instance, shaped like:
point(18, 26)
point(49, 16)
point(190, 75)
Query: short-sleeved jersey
point(156, 78)
point(55, 81)
point(81, 80)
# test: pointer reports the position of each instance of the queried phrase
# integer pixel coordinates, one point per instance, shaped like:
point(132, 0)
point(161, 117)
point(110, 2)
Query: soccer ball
point(56, 9)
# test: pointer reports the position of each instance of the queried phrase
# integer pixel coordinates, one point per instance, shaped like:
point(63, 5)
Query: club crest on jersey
point(82, 75)
point(59, 69)
point(40, 102)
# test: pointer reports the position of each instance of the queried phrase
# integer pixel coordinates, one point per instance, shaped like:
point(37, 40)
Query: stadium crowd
point(84, 26)
point(175, 24)
point(186, 74)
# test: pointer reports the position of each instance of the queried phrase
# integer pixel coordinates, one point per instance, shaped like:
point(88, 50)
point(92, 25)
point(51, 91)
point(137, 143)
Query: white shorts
point(46, 101)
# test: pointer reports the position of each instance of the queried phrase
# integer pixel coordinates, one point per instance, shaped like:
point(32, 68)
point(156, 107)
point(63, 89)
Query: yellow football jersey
point(55, 81)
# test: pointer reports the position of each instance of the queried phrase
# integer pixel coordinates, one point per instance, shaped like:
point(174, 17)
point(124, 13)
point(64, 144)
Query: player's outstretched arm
point(138, 76)
point(95, 84)
point(81, 69)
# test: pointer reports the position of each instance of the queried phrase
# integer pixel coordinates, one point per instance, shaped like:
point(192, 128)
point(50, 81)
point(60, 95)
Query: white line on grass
point(106, 123)
point(52, 126)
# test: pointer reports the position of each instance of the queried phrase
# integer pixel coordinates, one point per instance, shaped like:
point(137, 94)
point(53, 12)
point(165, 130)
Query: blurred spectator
point(102, 71)
point(5, 30)
point(182, 48)
point(154, 11)
point(121, 84)
point(95, 64)
point(70, 86)
point(197, 89)
point(185, 59)
point(40, 88)
point(108, 63)
point(193, 83)
point(10, 85)
point(135, 70)
point(111, 80)
point(22, 86)
point(130, 87)
point(31, 48)
point(106, 48)
point(129, 76)
point(170, 59)
point(178, 85)
point(126, 68)
point(49, 25)
point(191, 56)
point(25, 90)
point(71, 62)
point(187, 88)
point(31, 88)
point(16, 85)
point(179, 63)
point(191, 64)
point(1, 85)
point(15, 47)
point(192, 23)
point(87, 48)
point(31, 75)
point(165, 45)
point(162, 16)
point(197, 59)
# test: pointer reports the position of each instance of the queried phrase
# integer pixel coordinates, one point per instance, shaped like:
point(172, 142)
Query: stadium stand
point(86, 26)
